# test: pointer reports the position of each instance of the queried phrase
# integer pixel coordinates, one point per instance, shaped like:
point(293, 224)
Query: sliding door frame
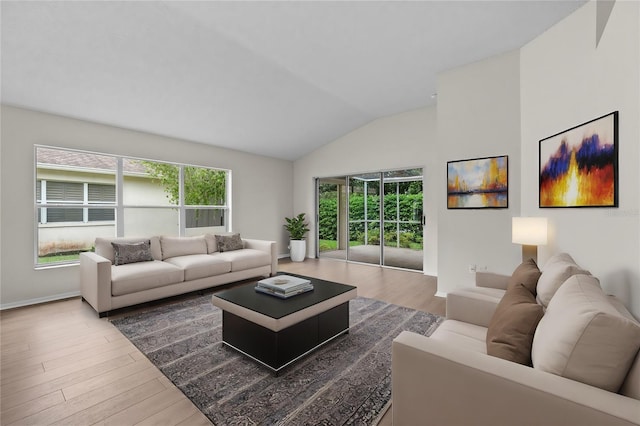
point(381, 220)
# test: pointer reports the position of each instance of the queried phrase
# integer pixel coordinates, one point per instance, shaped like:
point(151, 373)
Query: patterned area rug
point(347, 381)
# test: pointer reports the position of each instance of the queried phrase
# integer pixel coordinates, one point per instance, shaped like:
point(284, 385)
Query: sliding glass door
point(331, 217)
point(364, 218)
point(372, 218)
point(403, 231)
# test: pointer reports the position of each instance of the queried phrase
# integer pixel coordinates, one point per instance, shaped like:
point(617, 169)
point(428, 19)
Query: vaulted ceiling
point(272, 78)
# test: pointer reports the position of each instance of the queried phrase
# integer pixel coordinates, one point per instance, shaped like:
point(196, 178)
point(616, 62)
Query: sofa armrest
point(474, 305)
point(440, 382)
point(266, 246)
point(492, 280)
point(95, 281)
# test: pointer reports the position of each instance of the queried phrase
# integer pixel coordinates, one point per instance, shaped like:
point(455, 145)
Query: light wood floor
point(61, 364)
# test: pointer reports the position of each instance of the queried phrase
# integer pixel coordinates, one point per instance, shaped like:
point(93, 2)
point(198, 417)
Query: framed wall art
point(579, 166)
point(478, 183)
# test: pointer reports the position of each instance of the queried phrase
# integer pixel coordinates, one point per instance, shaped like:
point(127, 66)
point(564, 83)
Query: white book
point(284, 283)
point(295, 289)
point(283, 295)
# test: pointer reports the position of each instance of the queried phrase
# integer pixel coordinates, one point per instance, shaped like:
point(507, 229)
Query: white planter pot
point(297, 250)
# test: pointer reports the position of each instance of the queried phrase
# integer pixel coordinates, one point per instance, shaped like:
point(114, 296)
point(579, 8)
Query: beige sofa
point(174, 265)
point(584, 355)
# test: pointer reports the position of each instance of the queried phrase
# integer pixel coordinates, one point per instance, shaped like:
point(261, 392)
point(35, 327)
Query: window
point(81, 195)
point(73, 193)
point(98, 194)
point(204, 195)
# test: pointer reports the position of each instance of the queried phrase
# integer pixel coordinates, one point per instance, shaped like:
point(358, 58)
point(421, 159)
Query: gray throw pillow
point(132, 252)
point(229, 242)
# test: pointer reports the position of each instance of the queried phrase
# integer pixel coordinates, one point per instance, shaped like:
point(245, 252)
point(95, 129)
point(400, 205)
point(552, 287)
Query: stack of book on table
point(284, 286)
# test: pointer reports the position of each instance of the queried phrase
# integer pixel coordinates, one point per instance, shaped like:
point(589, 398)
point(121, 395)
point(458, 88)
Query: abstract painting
point(478, 183)
point(579, 167)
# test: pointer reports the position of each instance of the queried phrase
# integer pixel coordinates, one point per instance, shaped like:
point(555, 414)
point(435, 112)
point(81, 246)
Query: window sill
point(43, 266)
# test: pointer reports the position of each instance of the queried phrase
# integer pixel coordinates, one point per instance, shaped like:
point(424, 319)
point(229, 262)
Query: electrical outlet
point(472, 268)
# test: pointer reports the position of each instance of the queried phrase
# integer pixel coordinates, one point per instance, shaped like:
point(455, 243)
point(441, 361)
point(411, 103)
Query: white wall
point(565, 81)
point(262, 191)
point(478, 116)
point(400, 141)
point(505, 105)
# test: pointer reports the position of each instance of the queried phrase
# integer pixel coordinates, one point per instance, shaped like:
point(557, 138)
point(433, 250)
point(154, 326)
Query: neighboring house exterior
point(71, 178)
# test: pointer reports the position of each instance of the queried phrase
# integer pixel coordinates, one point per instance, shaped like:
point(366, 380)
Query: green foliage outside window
point(410, 205)
point(202, 186)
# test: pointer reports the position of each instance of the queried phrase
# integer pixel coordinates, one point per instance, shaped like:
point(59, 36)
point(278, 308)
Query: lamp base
point(530, 252)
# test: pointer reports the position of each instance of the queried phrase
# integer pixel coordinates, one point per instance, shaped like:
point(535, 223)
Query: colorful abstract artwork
point(478, 183)
point(579, 167)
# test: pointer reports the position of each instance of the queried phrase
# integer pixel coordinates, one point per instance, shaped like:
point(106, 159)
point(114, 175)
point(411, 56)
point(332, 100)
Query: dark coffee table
point(277, 332)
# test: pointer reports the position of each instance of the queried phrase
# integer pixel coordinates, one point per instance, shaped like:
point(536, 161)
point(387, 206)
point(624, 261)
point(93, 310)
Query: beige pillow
point(631, 385)
point(554, 273)
point(510, 332)
point(557, 258)
point(212, 245)
point(182, 246)
point(526, 273)
point(583, 337)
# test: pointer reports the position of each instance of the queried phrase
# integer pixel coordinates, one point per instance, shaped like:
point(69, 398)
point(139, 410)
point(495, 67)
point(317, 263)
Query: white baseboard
point(441, 294)
point(39, 300)
point(287, 255)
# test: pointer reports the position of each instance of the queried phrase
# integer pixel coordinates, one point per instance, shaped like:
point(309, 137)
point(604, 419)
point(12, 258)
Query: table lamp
point(531, 232)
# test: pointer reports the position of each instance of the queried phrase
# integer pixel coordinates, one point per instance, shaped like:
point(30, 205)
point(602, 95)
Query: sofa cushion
point(132, 252)
point(134, 277)
point(105, 249)
point(510, 332)
point(554, 273)
point(631, 385)
point(200, 265)
point(229, 242)
point(245, 259)
point(526, 273)
point(463, 335)
point(182, 246)
point(583, 337)
point(212, 245)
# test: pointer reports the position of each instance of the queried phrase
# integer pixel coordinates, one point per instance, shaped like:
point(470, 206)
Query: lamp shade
point(531, 231)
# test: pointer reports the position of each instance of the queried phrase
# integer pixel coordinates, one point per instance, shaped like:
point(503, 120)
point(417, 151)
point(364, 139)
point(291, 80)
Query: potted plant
point(297, 228)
